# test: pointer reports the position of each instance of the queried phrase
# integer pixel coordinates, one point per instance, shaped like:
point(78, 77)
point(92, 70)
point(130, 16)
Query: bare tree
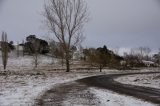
point(23, 47)
point(132, 58)
point(36, 57)
point(99, 57)
point(66, 19)
point(4, 49)
point(18, 49)
point(144, 52)
point(36, 60)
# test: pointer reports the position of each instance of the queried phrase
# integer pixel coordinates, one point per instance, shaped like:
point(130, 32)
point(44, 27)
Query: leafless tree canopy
point(66, 19)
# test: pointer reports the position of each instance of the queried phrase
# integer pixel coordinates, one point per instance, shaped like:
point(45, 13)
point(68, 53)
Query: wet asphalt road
point(77, 92)
point(107, 82)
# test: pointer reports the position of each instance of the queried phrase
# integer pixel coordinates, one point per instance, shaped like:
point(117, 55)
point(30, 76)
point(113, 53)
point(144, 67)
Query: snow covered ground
point(150, 80)
point(15, 62)
point(22, 90)
point(20, 84)
point(109, 98)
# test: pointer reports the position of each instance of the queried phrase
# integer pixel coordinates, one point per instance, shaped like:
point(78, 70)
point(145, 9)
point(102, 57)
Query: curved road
point(78, 90)
point(107, 81)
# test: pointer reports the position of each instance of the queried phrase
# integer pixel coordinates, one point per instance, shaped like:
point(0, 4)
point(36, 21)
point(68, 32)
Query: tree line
point(100, 57)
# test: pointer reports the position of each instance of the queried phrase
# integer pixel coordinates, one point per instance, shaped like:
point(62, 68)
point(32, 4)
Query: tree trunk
point(67, 63)
point(17, 49)
point(100, 68)
point(4, 66)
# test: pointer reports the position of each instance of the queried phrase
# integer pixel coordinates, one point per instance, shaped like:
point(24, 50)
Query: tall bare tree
point(66, 19)
point(4, 49)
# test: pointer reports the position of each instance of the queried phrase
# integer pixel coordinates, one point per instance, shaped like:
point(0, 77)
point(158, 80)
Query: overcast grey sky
point(115, 23)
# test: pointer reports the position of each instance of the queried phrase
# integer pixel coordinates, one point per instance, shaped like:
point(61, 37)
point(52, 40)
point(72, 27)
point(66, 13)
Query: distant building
point(149, 63)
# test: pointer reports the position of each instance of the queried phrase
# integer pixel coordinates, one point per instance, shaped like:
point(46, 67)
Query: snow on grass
point(20, 85)
point(26, 63)
point(28, 60)
point(109, 98)
point(148, 69)
point(22, 90)
point(150, 80)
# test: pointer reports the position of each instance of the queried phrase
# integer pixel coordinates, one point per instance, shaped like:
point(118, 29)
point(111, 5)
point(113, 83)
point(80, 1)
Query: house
point(149, 63)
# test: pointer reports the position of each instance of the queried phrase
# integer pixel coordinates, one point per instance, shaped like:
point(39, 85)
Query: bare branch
point(66, 19)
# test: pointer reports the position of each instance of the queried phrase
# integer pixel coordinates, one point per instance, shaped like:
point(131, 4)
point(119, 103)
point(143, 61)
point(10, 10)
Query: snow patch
point(109, 98)
point(147, 80)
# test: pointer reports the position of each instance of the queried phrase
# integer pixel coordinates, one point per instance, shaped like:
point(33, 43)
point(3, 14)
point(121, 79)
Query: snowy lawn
point(109, 98)
point(26, 62)
point(22, 90)
point(150, 80)
point(20, 84)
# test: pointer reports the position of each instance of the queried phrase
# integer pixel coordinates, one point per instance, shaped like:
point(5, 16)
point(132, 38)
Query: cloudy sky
point(115, 23)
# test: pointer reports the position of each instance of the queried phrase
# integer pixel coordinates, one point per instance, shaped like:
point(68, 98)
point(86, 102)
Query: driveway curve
point(78, 91)
point(107, 82)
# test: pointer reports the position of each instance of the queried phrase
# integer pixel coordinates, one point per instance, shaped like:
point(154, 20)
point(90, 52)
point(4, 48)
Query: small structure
point(123, 62)
point(148, 63)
